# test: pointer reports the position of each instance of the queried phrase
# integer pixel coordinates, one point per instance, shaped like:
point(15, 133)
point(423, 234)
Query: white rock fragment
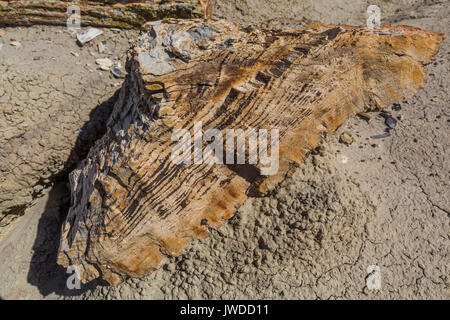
point(88, 35)
point(117, 70)
point(16, 44)
point(118, 73)
point(74, 54)
point(89, 68)
point(101, 47)
point(104, 63)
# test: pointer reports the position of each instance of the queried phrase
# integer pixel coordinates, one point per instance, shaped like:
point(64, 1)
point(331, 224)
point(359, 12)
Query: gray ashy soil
point(388, 204)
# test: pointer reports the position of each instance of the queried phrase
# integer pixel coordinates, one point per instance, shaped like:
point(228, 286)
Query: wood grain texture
point(100, 13)
point(132, 207)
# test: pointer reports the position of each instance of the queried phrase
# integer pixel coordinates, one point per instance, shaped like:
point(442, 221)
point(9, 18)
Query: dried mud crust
point(394, 208)
point(275, 247)
point(52, 109)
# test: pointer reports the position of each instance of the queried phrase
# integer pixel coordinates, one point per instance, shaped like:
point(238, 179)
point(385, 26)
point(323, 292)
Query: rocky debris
point(116, 70)
point(132, 207)
point(105, 64)
point(100, 13)
point(382, 136)
point(397, 107)
point(347, 138)
point(16, 44)
point(88, 36)
point(391, 122)
point(101, 47)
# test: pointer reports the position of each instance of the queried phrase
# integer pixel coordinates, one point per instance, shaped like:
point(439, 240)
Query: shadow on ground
point(44, 272)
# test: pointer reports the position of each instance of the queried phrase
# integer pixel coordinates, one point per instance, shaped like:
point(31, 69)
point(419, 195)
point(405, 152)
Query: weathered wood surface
point(101, 13)
point(133, 207)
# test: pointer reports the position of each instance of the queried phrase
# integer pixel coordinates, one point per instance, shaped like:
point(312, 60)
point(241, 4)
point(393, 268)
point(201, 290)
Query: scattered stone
point(101, 47)
point(2, 33)
point(88, 35)
point(89, 68)
point(391, 122)
point(396, 107)
point(16, 44)
point(435, 99)
point(118, 73)
point(347, 138)
point(117, 70)
point(382, 136)
point(74, 54)
point(104, 63)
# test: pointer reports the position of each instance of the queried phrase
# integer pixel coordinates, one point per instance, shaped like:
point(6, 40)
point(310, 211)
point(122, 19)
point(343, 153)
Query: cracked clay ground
point(388, 205)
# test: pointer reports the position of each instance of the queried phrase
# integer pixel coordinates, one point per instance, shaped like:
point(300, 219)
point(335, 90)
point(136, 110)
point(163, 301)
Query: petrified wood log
point(133, 206)
point(101, 13)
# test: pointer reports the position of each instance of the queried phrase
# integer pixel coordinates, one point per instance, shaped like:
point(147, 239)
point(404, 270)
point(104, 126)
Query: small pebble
point(101, 47)
point(391, 122)
point(16, 44)
point(347, 138)
point(105, 64)
point(381, 136)
point(118, 73)
point(396, 107)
